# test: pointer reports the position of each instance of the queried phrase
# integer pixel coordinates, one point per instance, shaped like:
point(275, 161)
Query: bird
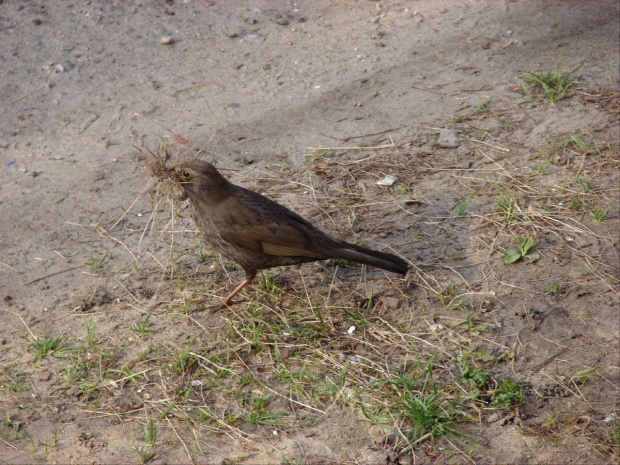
point(258, 233)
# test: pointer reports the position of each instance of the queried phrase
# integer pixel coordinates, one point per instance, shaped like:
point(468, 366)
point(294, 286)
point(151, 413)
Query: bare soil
point(310, 103)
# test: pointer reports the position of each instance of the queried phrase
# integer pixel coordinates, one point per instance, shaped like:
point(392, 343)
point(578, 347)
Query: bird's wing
point(269, 228)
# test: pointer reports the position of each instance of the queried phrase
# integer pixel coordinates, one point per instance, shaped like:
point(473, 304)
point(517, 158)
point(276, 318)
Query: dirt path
point(311, 103)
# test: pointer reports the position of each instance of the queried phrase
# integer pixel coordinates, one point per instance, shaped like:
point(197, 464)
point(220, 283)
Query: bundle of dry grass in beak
point(167, 184)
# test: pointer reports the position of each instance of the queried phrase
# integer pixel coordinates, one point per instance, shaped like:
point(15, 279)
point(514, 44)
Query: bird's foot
point(215, 308)
point(209, 308)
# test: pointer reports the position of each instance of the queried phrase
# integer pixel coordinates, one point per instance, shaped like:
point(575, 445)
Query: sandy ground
point(259, 87)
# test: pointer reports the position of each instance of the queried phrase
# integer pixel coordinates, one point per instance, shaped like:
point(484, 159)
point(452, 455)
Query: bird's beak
point(173, 175)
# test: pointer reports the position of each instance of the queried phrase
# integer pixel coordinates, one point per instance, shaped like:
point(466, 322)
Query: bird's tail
point(385, 261)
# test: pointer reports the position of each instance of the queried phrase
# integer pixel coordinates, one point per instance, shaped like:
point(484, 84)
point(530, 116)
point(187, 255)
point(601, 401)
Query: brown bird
point(259, 233)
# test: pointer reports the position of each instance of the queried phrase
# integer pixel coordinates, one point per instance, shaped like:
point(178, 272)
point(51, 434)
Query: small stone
point(493, 417)
point(253, 39)
point(37, 22)
point(63, 67)
point(387, 180)
point(282, 20)
point(391, 302)
point(377, 35)
point(448, 138)
point(166, 40)
point(44, 376)
point(74, 391)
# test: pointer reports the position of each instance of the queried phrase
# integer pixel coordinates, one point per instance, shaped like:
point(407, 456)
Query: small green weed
point(485, 105)
point(142, 328)
point(14, 381)
point(147, 452)
point(574, 139)
point(554, 84)
point(507, 395)
point(513, 255)
point(478, 379)
point(91, 330)
point(46, 346)
point(51, 443)
point(464, 204)
point(558, 288)
point(97, 264)
point(261, 415)
point(186, 360)
point(583, 376)
point(317, 155)
point(601, 214)
point(269, 285)
point(510, 208)
point(422, 406)
point(473, 327)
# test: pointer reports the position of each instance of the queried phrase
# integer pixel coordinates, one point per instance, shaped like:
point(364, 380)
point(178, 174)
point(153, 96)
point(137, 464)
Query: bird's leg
point(249, 276)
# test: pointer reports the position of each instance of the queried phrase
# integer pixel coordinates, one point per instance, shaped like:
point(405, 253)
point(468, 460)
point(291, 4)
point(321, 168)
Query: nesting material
point(166, 184)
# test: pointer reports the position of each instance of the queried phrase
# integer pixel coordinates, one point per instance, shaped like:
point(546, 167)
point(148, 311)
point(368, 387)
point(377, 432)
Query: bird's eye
point(185, 174)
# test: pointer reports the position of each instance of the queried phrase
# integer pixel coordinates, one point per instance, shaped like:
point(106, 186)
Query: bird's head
point(198, 174)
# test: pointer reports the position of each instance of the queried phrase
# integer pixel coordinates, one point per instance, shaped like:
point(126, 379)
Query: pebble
point(63, 67)
point(377, 35)
point(74, 391)
point(44, 376)
point(391, 302)
point(282, 20)
point(448, 138)
point(166, 40)
point(493, 417)
point(253, 39)
point(387, 181)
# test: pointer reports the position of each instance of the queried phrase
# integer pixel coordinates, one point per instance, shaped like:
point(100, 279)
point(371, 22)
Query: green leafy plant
point(601, 214)
point(508, 394)
point(554, 84)
point(513, 255)
point(142, 328)
point(430, 412)
point(147, 452)
point(46, 346)
point(261, 415)
point(583, 376)
point(91, 330)
point(478, 379)
point(96, 264)
point(463, 205)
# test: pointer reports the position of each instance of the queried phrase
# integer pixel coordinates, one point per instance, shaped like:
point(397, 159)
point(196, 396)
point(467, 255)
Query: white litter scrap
point(387, 181)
